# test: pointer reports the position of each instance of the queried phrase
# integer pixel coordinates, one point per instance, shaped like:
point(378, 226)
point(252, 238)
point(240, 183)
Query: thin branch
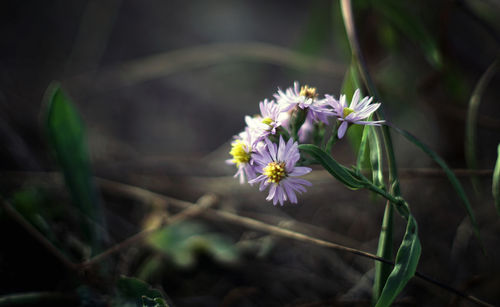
point(37, 235)
point(146, 195)
point(191, 211)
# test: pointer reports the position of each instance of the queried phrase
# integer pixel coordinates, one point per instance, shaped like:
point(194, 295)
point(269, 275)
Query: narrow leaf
point(413, 28)
point(405, 265)
point(496, 182)
point(317, 29)
point(470, 125)
point(375, 157)
point(449, 173)
point(155, 302)
point(65, 131)
point(333, 167)
point(363, 148)
point(384, 250)
point(132, 291)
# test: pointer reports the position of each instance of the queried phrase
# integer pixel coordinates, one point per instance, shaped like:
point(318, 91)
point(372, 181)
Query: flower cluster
point(266, 152)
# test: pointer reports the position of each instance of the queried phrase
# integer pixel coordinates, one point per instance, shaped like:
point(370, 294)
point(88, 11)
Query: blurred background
point(161, 88)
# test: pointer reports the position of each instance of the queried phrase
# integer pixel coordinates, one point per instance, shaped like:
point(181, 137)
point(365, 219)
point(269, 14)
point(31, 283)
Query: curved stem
point(385, 240)
point(470, 124)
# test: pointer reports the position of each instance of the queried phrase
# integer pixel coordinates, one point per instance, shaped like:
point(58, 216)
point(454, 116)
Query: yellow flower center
point(239, 152)
point(267, 120)
point(275, 171)
point(347, 111)
point(309, 92)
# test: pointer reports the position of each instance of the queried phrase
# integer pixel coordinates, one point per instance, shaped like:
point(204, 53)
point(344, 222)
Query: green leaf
point(65, 131)
point(184, 241)
point(413, 28)
point(405, 265)
point(449, 173)
point(496, 182)
point(317, 30)
point(375, 157)
point(470, 125)
point(363, 149)
point(384, 250)
point(130, 292)
point(155, 302)
point(333, 167)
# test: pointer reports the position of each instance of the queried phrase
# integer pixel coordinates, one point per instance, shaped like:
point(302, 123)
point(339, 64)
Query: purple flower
point(270, 119)
point(241, 150)
point(355, 113)
point(277, 167)
point(304, 97)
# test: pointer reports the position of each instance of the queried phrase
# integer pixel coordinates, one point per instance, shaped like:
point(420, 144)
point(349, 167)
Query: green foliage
point(384, 250)
point(496, 182)
point(65, 131)
point(470, 125)
point(32, 203)
point(375, 156)
point(317, 30)
point(135, 292)
point(405, 265)
point(412, 27)
point(155, 302)
point(449, 173)
point(333, 167)
point(184, 241)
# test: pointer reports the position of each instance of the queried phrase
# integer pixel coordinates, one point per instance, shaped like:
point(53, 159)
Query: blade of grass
point(413, 28)
point(384, 250)
point(333, 167)
point(496, 182)
point(375, 157)
point(405, 265)
point(349, 25)
point(66, 135)
point(449, 173)
point(470, 125)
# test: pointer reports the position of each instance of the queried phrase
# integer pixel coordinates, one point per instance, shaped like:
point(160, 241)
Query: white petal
point(355, 99)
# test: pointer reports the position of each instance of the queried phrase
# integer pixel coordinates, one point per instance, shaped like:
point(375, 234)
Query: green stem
point(393, 173)
point(384, 250)
point(333, 138)
point(470, 124)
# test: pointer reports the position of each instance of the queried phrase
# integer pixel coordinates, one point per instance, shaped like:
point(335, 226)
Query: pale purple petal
point(281, 150)
point(272, 192)
point(290, 192)
point(342, 129)
point(300, 171)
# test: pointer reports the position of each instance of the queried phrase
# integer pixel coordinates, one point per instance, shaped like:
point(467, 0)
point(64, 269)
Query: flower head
point(241, 150)
point(267, 122)
point(276, 163)
point(304, 97)
point(355, 113)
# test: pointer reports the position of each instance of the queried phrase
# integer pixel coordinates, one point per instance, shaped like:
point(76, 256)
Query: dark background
point(162, 87)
